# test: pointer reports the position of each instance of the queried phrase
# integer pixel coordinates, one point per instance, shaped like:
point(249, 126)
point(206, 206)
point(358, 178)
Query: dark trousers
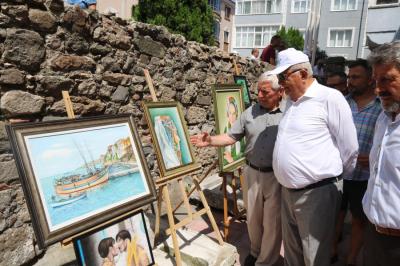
point(380, 249)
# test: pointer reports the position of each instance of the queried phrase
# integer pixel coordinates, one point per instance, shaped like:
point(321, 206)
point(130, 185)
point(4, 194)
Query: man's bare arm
point(204, 140)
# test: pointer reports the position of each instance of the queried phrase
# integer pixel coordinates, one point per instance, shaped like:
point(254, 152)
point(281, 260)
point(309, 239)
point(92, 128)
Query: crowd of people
point(315, 150)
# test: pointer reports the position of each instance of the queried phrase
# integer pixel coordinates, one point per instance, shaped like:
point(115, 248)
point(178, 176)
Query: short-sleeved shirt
point(260, 128)
point(82, 3)
point(364, 120)
point(268, 53)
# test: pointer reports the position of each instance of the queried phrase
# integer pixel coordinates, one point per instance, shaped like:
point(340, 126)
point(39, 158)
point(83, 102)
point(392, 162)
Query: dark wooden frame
point(17, 132)
point(77, 253)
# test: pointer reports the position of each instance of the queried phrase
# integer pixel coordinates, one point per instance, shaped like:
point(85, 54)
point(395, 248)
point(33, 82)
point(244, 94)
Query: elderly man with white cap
point(316, 146)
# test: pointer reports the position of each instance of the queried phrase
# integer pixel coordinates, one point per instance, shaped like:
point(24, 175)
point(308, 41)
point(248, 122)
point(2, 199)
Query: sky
point(55, 153)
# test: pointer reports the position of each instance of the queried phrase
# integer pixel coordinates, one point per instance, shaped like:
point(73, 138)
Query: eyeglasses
point(282, 77)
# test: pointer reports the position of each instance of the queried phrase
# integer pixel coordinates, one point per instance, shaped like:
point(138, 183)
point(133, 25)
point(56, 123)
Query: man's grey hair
point(271, 78)
point(305, 65)
point(386, 54)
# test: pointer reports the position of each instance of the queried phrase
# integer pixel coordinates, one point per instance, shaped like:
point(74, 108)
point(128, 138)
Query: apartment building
point(341, 26)
point(224, 16)
point(122, 8)
point(383, 23)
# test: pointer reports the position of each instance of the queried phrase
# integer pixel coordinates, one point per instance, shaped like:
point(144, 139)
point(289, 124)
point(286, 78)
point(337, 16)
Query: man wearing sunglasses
point(316, 146)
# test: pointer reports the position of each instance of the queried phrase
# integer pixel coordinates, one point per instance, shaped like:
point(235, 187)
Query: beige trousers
point(262, 197)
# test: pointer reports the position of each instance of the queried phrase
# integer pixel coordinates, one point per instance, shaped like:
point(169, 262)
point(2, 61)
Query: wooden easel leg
point(226, 220)
point(208, 210)
point(158, 213)
point(172, 225)
point(235, 206)
point(185, 199)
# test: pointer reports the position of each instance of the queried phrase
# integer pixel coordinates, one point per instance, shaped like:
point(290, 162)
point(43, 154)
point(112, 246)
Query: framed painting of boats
point(80, 173)
point(170, 138)
point(125, 242)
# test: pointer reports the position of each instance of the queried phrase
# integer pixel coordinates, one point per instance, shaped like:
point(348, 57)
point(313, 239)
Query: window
point(340, 38)
point(247, 7)
point(254, 36)
point(300, 6)
point(343, 5)
point(385, 2)
point(227, 13)
point(215, 4)
point(226, 36)
point(216, 29)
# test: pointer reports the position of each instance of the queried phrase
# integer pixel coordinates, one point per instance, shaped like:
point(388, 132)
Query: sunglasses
point(282, 76)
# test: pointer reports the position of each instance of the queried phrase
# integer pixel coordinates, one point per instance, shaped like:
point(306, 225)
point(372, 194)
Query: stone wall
point(46, 48)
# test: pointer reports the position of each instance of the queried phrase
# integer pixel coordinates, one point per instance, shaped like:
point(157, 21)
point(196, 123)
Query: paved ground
point(239, 237)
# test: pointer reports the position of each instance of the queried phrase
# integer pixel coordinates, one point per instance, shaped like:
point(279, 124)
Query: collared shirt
point(316, 139)
point(260, 128)
point(381, 202)
point(364, 120)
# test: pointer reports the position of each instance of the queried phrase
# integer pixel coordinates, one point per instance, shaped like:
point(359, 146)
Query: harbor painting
point(82, 172)
point(77, 174)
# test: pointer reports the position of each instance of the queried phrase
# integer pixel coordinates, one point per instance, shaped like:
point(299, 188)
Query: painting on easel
point(228, 106)
point(124, 243)
point(79, 173)
point(169, 132)
point(242, 81)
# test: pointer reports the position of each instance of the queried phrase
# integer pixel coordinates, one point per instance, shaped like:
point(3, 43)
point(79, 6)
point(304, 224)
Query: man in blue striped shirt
point(365, 107)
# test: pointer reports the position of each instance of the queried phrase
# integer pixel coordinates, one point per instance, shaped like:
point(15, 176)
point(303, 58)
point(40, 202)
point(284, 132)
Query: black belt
point(260, 169)
point(321, 183)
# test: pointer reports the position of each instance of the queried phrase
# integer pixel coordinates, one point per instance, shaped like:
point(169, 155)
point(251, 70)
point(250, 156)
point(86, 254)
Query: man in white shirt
point(381, 202)
point(316, 145)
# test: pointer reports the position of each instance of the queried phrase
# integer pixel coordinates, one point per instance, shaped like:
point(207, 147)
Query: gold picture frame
point(170, 137)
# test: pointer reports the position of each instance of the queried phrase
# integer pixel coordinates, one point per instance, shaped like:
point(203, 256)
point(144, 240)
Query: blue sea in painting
point(84, 172)
point(117, 188)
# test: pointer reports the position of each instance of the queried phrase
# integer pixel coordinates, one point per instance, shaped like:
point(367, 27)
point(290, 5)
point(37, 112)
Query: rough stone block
point(42, 20)
point(150, 47)
point(196, 115)
point(199, 250)
point(72, 62)
point(121, 94)
point(20, 103)
point(12, 76)
point(24, 48)
point(8, 171)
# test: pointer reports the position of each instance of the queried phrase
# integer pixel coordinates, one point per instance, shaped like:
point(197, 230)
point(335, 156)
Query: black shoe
point(334, 259)
point(250, 260)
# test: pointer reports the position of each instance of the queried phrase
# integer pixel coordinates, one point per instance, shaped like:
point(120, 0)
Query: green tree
point(191, 18)
point(292, 37)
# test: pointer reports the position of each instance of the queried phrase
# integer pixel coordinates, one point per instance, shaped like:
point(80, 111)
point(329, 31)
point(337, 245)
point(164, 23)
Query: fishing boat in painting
point(61, 201)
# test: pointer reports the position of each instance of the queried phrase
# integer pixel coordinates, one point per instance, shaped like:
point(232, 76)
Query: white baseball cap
point(288, 58)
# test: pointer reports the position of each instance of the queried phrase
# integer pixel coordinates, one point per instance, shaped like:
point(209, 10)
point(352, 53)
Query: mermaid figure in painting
point(235, 151)
point(168, 140)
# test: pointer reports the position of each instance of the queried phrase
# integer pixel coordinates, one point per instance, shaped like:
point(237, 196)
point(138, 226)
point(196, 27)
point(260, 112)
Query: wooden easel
point(163, 194)
point(225, 180)
point(68, 241)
